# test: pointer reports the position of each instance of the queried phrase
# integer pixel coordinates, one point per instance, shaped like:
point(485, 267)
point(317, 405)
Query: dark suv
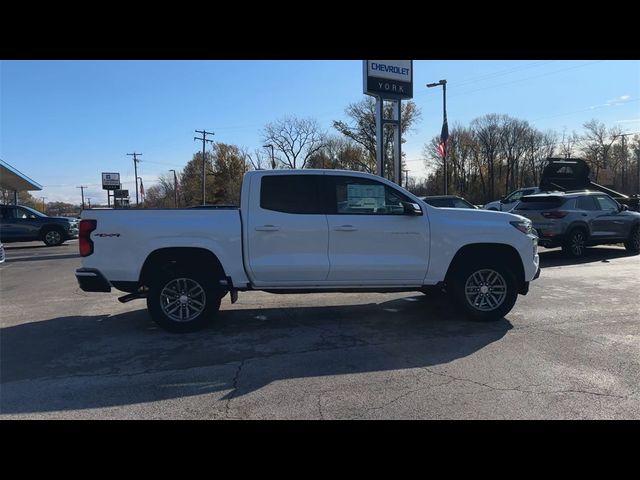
point(576, 219)
point(24, 224)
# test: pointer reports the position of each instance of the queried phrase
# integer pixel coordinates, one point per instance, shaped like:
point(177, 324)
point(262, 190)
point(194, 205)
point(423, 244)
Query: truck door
point(287, 230)
point(371, 239)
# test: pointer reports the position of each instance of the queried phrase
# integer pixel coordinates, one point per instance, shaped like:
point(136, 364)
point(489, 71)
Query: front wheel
point(52, 237)
point(485, 291)
point(183, 302)
point(633, 243)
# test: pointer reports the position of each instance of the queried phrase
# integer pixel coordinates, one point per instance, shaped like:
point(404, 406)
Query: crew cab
point(23, 224)
point(301, 231)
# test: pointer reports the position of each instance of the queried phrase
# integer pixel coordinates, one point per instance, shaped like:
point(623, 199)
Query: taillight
point(555, 214)
point(86, 244)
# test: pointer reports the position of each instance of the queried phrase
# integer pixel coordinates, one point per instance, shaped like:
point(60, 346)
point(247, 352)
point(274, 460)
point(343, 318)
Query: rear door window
point(586, 203)
point(297, 194)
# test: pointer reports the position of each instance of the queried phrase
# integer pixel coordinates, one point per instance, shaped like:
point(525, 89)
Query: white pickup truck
point(301, 231)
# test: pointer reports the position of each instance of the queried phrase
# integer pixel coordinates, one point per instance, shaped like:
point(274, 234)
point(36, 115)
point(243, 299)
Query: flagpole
point(444, 135)
point(444, 157)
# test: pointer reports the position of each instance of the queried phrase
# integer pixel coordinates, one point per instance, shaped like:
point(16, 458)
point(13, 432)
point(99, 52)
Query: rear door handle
point(267, 228)
point(345, 228)
point(584, 215)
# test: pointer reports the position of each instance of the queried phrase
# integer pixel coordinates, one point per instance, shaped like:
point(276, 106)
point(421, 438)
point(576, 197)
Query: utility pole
point(135, 168)
point(43, 209)
point(624, 158)
point(82, 187)
point(175, 188)
point(204, 163)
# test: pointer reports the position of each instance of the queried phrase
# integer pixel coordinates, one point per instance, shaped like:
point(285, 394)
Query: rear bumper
point(91, 280)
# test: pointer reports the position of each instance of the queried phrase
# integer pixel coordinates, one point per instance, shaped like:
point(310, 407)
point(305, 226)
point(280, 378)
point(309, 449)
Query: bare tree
point(362, 127)
point(296, 139)
point(596, 142)
point(568, 143)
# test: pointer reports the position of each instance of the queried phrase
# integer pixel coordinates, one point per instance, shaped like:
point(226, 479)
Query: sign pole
point(392, 81)
point(379, 136)
point(397, 143)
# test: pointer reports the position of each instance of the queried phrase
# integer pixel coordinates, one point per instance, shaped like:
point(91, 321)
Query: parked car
point(23, 224)
point(2, 257)
point(448, 201)
point(506, 204)
point(305, 231)
point(575, 220)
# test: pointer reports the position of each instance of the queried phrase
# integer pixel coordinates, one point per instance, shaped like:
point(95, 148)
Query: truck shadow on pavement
point(556, 258)
point(75, 363)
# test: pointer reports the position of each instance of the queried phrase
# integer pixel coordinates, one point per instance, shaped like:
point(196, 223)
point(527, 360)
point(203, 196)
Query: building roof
point(13, 179)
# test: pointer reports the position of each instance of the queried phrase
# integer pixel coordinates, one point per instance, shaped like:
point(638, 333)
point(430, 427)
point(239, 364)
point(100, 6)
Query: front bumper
point(91, 280)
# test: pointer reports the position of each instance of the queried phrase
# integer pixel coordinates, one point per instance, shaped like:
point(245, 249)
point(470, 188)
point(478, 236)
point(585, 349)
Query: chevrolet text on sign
point(389, 78)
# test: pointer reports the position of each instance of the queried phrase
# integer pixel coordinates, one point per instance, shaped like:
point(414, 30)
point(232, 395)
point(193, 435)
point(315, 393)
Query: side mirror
point(502, 199)
point(411, 208)
point(623, 208)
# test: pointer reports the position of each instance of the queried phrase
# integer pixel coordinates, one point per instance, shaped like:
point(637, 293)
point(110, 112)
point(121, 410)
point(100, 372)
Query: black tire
point(478, 305)
point(159, 304)
point(575, 244)
point(52, 237)
point(633, 242)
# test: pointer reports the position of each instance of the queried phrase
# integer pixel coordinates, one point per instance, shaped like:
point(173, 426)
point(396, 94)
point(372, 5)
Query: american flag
point(444, 136)
point(141, 188)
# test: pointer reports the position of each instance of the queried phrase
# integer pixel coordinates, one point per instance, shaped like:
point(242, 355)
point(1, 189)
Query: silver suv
point(575, 220)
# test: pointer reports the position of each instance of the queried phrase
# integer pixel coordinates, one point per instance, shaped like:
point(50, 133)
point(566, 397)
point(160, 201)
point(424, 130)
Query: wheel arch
point(503, 253)
point(188, 257)
point(50, 226)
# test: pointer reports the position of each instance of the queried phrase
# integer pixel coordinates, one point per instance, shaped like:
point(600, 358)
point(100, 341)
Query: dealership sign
point(121, 194)
point(391, 79)
point(110, 181)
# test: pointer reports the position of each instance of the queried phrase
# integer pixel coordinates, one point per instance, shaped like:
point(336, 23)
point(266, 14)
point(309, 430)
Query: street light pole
point(175, 187)
point(273, 162)
point(89, 200)
point(445, 130)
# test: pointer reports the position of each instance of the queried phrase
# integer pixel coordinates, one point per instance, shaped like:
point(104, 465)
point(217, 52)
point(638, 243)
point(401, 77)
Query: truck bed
point(130, 235)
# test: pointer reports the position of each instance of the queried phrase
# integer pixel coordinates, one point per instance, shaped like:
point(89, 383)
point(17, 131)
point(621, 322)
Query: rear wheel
point(633, 243)
point(485, 291)
point(575, 243)
point(52, 237)
point(182, 302)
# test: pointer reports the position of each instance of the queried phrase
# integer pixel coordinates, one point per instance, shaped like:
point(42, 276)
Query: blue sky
point(64, 122)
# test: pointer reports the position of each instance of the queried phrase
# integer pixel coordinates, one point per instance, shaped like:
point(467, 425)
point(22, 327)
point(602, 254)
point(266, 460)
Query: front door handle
point(345, 228)
point(267, 228)
point(584, 215)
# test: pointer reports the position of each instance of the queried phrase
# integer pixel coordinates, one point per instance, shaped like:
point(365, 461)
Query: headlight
point(523, 225)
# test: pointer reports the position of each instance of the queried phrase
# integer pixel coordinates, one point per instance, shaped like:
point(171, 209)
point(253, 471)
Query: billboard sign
point(121, 194)
point(110, 181)
point(391, 79)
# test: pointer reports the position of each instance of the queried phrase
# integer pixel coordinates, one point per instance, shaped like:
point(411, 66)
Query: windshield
point(35, 212)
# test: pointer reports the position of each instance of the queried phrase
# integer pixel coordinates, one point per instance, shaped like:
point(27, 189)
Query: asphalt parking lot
point(570, 349)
